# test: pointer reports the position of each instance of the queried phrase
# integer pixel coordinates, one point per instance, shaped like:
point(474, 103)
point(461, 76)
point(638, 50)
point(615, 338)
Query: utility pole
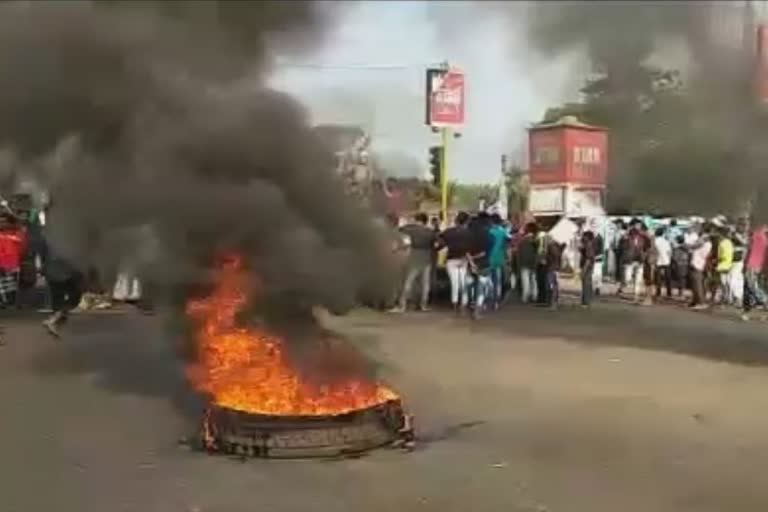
point(444, 177)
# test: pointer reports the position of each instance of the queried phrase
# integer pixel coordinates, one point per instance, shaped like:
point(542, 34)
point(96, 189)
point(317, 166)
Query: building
point(568, 168)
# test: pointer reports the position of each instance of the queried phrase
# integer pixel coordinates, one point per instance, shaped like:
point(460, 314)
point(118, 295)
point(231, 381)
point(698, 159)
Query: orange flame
point(245, 368)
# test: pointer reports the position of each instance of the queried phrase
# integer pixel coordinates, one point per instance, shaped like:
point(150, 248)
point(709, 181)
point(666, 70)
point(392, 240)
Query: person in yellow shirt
point(724, 265)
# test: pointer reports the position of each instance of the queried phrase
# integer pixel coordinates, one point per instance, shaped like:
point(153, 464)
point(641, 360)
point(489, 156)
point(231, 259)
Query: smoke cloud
point(150, 124)
point(690, 148)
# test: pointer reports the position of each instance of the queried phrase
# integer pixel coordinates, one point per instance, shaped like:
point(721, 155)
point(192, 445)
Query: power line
point(357, 67)
point(348, 67)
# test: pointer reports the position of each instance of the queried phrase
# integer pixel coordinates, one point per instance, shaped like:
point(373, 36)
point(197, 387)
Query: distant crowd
point(486, 261)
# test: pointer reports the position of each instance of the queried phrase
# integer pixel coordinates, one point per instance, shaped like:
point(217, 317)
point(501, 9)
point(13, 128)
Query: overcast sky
point(507, 88)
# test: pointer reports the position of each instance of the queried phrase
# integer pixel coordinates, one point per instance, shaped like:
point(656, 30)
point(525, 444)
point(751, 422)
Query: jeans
point(497, 284)
point(483, 288)
point(587, 284)
point(530, 290)
point(754, 295)
point(553, 288)
point(423, 271)
point(633, 275)
point(457, 274)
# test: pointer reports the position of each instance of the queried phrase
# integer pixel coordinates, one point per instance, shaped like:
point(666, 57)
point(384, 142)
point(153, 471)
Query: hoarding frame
point(445, 97)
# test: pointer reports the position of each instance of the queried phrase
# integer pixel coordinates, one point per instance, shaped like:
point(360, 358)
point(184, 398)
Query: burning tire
point(227, 431)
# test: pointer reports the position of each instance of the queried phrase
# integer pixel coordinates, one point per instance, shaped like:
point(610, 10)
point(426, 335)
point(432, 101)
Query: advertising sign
point(545, 200)
point(445, 97)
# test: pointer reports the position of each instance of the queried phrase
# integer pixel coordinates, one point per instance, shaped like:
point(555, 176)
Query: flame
point(245, 368)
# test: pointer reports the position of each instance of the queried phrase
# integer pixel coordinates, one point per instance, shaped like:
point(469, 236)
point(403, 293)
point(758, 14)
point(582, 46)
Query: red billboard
point(445, 97)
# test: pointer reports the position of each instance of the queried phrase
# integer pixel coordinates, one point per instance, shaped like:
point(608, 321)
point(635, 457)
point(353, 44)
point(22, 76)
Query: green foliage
point(518, 190)
point(468, 196)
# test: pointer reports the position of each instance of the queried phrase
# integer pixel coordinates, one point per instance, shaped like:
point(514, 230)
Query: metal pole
point(444, 176)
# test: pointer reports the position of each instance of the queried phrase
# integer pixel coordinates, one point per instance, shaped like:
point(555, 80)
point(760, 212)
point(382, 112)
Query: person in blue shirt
point(497, 255)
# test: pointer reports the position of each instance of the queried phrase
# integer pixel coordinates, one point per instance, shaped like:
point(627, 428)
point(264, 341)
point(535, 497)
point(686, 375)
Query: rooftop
point(569, 122)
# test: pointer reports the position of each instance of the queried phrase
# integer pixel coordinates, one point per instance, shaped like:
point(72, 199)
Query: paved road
point(618, 408)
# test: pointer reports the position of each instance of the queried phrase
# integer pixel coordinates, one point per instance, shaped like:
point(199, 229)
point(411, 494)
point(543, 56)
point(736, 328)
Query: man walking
point(479, 262)
point(457, 241)
point(65, 282)
point(633, 256)
point(419, 264)
point(499, 239)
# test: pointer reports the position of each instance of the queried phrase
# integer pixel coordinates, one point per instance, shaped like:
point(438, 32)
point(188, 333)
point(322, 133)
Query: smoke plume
point(692, 147)
point(150, 124)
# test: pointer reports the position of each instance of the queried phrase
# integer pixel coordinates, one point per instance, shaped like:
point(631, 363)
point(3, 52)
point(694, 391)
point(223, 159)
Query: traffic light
point(435, 163)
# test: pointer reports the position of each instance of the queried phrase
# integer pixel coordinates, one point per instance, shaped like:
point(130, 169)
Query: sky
point(370, 71)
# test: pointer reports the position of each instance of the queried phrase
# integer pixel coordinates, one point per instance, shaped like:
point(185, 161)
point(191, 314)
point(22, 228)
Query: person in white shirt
point(699, 255)
point(663, 249)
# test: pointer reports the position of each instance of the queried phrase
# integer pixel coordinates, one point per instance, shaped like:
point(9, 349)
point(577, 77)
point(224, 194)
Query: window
point(546, 155)
point(586, 155)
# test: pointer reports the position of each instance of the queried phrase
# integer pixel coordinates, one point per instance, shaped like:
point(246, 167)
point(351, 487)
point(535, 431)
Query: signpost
point(444, 112)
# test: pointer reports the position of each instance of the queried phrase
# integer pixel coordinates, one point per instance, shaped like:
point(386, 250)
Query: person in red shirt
point(754, 295)
point(13, 242)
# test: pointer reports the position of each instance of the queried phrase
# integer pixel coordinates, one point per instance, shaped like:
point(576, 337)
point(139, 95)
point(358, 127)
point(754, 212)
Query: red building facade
point(568, 168)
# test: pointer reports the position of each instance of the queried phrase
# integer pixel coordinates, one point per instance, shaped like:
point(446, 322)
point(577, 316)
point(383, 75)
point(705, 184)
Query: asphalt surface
point(617, 408)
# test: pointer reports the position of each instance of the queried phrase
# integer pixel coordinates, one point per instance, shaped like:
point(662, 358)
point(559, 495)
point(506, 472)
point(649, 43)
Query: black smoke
point(151, 125)
point(694, 147)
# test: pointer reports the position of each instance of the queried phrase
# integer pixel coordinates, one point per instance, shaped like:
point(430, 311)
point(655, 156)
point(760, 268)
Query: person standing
point(419, 264)
point(724, 265)
point(597, 273)
point(527, 261)
point(618, 243)
point(736, 276)
point(681, 264)
point(633, 254)
point(663, 250)
point(754, 295)
point(700, 251)
point(497, 258)
point(457, 242)
point(479, 262)
point(553, 262)
point(588, 251)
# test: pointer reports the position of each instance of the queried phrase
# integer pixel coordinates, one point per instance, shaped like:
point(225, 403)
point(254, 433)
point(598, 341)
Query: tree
point(518, 190)
point(668, 147)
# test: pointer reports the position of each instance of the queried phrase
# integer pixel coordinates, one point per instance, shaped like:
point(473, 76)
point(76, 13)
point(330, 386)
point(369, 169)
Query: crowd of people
point(722, 264)
point(477, 253)
point(487, 261)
